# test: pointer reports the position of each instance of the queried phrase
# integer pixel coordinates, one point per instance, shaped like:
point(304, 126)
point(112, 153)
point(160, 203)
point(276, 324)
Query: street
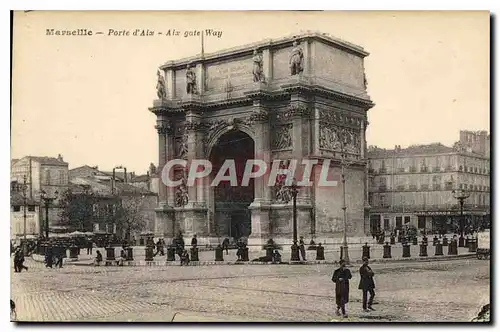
point(447, 291)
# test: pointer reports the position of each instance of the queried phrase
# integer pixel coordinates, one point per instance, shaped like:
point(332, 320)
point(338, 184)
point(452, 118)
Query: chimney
point(59, 157)
point(125, 175)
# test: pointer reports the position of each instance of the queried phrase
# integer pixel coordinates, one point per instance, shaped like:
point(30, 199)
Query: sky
point(87, 98)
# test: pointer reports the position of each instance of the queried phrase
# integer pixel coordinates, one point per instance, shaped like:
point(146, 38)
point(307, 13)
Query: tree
point(77, 208)
point(128, 216)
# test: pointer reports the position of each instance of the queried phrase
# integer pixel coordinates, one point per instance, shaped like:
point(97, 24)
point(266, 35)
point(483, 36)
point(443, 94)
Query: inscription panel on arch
point(220, 77)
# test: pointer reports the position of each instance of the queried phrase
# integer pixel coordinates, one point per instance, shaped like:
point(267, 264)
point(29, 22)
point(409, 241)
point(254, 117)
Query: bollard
point(149, 254)
point(435, 240)
point(439, 249)
point(194, 254)
point(406, 250)
point(244, 256)
point(414, 241)
point(454, 246)
point(450, 247)
point(445, 241)
point(366, 251)
point(218, 254)
point(387, 250)
point(423, 250)
point(320, 253)
point(130, 253)
point(171, 254)
point(110, 255)
point(73, 252)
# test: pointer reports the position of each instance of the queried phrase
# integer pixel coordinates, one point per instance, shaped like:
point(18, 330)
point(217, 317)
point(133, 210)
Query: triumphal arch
point(294, 98)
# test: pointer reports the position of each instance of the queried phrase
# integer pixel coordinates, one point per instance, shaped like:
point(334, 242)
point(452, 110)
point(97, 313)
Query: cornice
point(246, 50)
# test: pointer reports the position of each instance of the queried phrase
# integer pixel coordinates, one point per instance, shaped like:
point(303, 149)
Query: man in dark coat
point(341, 278)
point(194, 241)
point(302, 248)
point(366, 284)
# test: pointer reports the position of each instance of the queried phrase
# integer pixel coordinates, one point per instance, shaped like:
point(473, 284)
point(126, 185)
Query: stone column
point(267, 59)
point(170, 83)
point(260, 208)
point(200, 78)
point(161, 127)
point(195, 212)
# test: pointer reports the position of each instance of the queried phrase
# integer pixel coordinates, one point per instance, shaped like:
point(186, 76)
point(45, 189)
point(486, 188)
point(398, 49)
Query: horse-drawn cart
point(483, 245)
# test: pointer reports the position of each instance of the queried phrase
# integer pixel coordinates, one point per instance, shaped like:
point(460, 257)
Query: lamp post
point(295, 249)
point(25, 187)
point(461, 195)
point(48, 200)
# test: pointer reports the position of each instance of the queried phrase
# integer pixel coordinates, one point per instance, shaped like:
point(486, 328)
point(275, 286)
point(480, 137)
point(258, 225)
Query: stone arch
point(221, 128)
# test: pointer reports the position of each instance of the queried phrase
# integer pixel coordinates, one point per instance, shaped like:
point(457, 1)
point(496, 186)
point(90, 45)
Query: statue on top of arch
point(161, 90)
point(258, 71)
point(296, 59)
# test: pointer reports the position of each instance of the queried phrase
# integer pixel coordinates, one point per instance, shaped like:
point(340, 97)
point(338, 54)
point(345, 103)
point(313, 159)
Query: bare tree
point(128, 216)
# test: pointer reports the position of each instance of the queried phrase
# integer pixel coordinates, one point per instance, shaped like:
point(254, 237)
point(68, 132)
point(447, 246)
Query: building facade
point(43, 174)
point(291, 98)
point(18, 226)
point(414, 186)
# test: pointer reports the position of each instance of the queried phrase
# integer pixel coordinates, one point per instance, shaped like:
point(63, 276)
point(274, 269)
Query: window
point(31, 228)
point(399, 222)
point(31, 208)
point(407, 219)
point(382, 200)
point(460, 168)
point(424, 187)
point(62, 178)
point(437, 169)
point(386, 224)
point(47, 176)
point(421, 222)
point(449, 185)
point(17, 208)
point(18, 228)
point(401, 169)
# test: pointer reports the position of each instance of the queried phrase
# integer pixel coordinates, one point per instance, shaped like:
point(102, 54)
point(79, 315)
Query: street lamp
point(25, 187)
point(461, 195)
point(295, 249)
point(48, 200)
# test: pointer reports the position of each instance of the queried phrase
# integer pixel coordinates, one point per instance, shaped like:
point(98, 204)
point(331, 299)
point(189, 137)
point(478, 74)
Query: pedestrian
point(98, 258)
point(225, 245)
point(367, 285)
point(49, 256)
point(90, 246)
point(59, 256)
point(194, 241)
point(341, 278)
point(302, 248)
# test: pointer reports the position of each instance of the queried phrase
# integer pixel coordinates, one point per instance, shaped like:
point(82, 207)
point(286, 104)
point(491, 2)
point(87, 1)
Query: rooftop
point(44, 160)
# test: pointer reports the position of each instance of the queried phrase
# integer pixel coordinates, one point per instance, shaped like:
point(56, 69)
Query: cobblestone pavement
point(412, 291)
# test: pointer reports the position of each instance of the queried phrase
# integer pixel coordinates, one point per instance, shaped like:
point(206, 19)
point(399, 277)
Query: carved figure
point(282, 137)
point(181, 194)
point(296, 59)
point(258, 72)
point(190, 80)
point(183, 146)
point(161, 91)
point(152, 169)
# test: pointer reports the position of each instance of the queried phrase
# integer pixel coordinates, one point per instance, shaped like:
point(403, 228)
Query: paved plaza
point(410, 291)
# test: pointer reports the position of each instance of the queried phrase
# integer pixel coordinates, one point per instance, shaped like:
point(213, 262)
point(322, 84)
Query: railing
point(431, 208)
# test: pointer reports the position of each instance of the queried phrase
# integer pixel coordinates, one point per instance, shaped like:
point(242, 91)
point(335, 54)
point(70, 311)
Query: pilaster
point(170, 82)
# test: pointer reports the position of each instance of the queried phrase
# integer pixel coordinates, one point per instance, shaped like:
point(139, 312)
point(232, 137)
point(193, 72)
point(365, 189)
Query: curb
point(325, 262)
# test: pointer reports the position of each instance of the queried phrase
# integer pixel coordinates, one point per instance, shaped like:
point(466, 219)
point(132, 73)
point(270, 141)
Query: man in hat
point(341, 278)
point(367, 285)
